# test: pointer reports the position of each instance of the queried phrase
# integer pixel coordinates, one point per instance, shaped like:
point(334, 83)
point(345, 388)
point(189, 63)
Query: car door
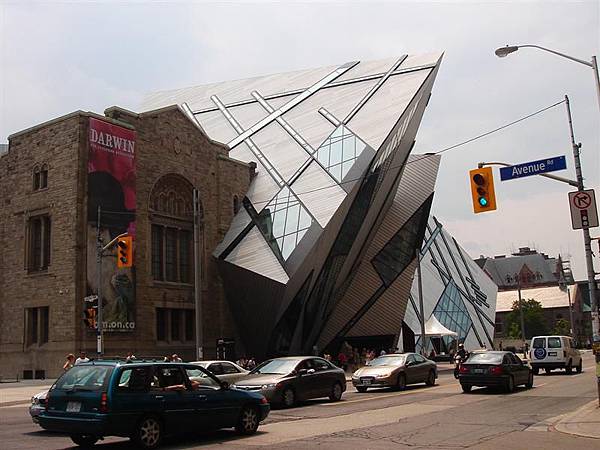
point(230, 373)
point(421, 369)
point(179, 400)
point(410, 369)
point(521, 369)
point(304, 382)
point(323, 379)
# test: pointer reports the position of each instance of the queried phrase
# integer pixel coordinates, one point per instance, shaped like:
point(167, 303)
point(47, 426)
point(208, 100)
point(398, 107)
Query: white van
point(554, 352)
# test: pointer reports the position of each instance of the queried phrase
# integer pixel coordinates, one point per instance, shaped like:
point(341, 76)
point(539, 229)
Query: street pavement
point(439, 417)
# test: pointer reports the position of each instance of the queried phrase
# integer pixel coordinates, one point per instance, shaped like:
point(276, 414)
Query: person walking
point(82, 358)
point(176, 358)
point(69, 362)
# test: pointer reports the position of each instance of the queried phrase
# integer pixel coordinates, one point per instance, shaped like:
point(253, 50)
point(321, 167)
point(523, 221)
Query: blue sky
point(56, 57)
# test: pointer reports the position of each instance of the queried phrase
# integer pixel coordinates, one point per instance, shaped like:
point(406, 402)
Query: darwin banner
point(111, 186)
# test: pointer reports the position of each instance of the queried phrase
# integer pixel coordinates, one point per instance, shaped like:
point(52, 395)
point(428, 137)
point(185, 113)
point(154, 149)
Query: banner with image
point(111, 186)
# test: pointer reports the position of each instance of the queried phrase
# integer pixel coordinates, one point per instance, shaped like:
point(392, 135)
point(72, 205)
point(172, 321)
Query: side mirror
point(310, 371)
point(224, 385)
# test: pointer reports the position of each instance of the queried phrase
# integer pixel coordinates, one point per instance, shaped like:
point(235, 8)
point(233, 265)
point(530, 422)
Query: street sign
point(90, 298)
point(584, 213)
point(533, 168)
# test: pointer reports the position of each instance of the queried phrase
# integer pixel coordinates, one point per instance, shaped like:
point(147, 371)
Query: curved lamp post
point(505, 51)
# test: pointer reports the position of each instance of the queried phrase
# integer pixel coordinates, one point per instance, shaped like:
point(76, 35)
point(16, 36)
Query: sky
point(57, 57)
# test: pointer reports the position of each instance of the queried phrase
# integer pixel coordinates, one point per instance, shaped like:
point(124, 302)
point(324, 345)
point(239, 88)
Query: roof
point(549, 297)
point(434, 328)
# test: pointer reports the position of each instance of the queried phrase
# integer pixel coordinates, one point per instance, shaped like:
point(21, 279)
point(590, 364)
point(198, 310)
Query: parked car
point(146, 400)
point(289, 380)
point(224, 370)
point(554, 352)
point(494, 368)
point(395, 370)
point(38, 404)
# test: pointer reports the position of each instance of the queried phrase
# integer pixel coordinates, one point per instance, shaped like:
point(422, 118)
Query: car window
point(135, 379)
point(84, 378)
point(320, 364)
point(485, 358)
point(276, 366)
point(216, 368)
point(539, 342)
point(419, 359)
point(200, 380)
point(516, 359)
point(554, 342)
point(169, 376)
point(395, 361)
point(229, 368)
point(410, 359)
point(306, 364)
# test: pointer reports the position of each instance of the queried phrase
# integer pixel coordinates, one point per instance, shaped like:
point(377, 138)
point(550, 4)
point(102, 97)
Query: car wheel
point(288, 397)
point(148, 433)
point(529, 383)
point(430, 379)
point(509, 386)
point(401, 384)
point(248, 421)
point(536, 370)
point(336, 392)
point(569, 368)
point(580, 366)
point(466, 388)
point(84, 440)
point(361, 389)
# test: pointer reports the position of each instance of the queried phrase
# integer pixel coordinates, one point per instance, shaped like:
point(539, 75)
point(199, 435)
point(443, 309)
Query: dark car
point(146, 400)
point(496, 369)
point(291, 379)
point(395, 370)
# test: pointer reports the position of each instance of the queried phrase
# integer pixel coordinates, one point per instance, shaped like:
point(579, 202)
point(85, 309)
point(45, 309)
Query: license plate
point(551, 353)
point(478, 370)
point(73, 407)
point(366, 381)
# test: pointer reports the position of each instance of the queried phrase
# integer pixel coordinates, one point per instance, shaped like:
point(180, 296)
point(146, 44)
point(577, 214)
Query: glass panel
point(175, 325)
point(44, 323)
point(452, 312)
point(161, 324)
point(36, 247)
point(171, 259)
point(342, 146)
point(184, 256)
point(189, 325)
point(47, 241)
point(157, 252)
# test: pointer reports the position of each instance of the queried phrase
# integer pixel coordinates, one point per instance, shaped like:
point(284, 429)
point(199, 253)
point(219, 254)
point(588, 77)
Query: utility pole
point(198, 278)
point(591, 274)
point(521, 313)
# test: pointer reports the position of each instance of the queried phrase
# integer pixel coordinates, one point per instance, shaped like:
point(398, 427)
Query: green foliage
point(533, 315)
point(561, 327)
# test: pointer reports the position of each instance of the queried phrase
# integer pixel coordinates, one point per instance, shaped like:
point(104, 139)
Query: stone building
point(47, 240)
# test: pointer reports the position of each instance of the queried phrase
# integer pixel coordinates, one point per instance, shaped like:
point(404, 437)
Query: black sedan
point(497, 369)
point(291, 379)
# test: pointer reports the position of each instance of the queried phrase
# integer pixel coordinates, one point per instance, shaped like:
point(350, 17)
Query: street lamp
point(505, 51)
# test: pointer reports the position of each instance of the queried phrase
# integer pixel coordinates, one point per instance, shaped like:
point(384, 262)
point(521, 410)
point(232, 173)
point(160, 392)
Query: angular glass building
point(323, 246)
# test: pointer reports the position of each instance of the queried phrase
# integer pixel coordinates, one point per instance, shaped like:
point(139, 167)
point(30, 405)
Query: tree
point(562, 327)
point(533, 315)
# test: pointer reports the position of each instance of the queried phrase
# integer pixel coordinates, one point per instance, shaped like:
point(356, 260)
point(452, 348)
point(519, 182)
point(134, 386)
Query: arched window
point(44, 176)
point(36, 178)
point(236, 204)
point(171, 215)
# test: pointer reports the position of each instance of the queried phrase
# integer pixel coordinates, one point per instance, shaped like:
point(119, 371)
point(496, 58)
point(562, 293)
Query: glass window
point(189, 325)
point(39, 243)
point(161, 324)
point(170, 376)
point(276, 366)
point(36, 178)
point(175, 325)
point(135, 379)
point(44, 177)
point(228, 368)
point(157, 252)
point(84, 378)
point(554, 342)
point(389, 361)
point(419, 359)
point(184, 256)
point(171, 255)
point(320, 364)
point(486, 358)
point(339, 151)
point(44, 320)
point(216, 368)
point(539, 342)
point(200, 380)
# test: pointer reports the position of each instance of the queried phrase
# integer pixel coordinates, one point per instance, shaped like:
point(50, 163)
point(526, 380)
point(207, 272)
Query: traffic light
point(89, 316)
point(482, 190)
point(125, 252)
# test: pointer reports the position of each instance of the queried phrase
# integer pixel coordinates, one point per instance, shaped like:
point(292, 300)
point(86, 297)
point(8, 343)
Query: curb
point(562, 425)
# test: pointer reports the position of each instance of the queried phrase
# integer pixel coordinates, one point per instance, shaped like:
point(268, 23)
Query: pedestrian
point(176, 358)
point(342, 360)
point(242, 362)
point(251, 363)
point(69, 362)
point(82, 358)
point(500, 345)
point(130, 357)
point(382, 352)
point(167, 359)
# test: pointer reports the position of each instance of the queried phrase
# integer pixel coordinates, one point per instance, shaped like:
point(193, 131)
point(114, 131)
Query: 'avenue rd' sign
point(533, 168)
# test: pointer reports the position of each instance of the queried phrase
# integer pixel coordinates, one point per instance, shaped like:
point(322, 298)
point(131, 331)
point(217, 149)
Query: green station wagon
point(145, 401)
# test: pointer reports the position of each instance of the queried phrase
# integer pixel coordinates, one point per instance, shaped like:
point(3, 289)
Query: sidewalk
point(17, 394)
point(583, 422)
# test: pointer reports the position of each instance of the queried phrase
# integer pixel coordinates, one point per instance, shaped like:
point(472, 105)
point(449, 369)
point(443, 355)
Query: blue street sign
point(533, 168)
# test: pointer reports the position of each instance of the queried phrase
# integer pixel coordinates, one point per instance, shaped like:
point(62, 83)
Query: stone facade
point(168, 144)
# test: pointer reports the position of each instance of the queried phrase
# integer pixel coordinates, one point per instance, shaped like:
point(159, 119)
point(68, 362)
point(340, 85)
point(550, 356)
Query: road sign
point(584, 213)
point(90, 298)
point(533, 168)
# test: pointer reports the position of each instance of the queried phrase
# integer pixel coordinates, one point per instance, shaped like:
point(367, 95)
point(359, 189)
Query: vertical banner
point(111, 185)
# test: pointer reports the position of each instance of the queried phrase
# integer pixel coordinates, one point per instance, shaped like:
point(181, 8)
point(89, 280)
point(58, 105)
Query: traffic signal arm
point(482, 190)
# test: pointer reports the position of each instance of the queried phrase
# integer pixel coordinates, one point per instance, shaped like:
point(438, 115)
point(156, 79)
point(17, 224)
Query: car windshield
point(539, 343)
point(486, 358)
point(554, 342)
point(277, 366)
point(84, 378)
point(388, 361)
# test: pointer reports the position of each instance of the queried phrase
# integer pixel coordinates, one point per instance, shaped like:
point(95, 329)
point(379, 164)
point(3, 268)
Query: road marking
point(377, 397)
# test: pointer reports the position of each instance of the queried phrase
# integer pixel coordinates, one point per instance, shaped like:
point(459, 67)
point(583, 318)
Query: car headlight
point(268, 386)
point(34, 401)
point(383, 375)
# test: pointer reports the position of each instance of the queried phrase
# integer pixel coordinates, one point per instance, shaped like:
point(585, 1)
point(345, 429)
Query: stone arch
point(172, 195)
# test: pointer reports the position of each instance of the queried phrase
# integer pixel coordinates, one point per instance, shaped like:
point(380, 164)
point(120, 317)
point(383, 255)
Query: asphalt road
point(438, 417)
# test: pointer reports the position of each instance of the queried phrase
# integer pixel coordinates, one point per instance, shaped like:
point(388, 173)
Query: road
point(439, 417)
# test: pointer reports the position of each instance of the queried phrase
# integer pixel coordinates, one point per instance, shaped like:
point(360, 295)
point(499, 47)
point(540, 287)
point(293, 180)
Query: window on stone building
point(40, 177)
point(39, 248)
point(171, 214)
point(236, 204)
point(174, 324)
point(36, 325)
